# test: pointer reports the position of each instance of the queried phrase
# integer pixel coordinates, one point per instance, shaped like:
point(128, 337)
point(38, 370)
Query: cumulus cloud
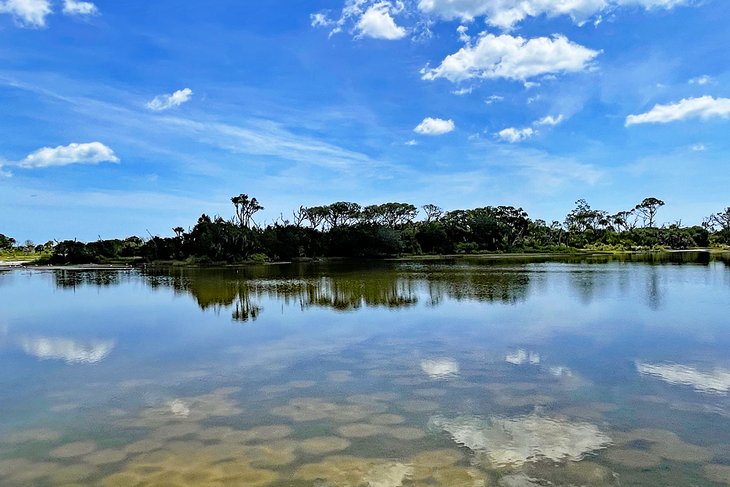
point(550, 120)
point(27, 13)
point(505, 14)
point(66, 349)
point(704, 108)
point(711, 382)
point(165, 102)
point(75, 7)
point(411, 142)
point(365, 18)
point(509, 57)
point(89, 153)
point(377, 23)
point(514, 135)
point(435, 126)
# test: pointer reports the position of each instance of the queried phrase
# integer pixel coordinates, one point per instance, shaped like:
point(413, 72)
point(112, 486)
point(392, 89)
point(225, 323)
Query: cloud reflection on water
point(67, 349)
point(519, 440)
point(443, 368)
point(716, 381)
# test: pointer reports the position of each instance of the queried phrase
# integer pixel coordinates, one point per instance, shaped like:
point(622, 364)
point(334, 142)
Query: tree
point(433, 212)
point(722, 220)
point(648, 209)
point(623, 221)
point(342, 213)
point(178, 231)
point(245, 208)
point(299, 216)
point(315, 215)
point(6, 243)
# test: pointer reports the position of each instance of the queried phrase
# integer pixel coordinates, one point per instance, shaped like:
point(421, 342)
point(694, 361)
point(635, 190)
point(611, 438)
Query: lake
point(534, 372)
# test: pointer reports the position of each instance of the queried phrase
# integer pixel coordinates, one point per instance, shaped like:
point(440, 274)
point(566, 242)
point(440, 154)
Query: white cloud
point(320, 19)
point(434, 126)
point(66, 349)
point(462, 91)
point(411, 142)
point(377, 23)
point(699, 148)
point(27, 13)
point(440, 368)
point(704, 108)
point(513, 135)
point(506, 13)
point(701, 80)
point(365, 18)
point(510, 57)
point(550, 120)
point(493, 99)
point(75, 7)
point(90, 153)
point(4, 174)
point(165, 102)
point(711, 382)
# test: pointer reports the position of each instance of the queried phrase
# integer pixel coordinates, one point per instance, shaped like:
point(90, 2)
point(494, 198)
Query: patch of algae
point(348, 471)
point(434, 468)
point(666, 444)
point(187, 409)
point(717, 473)
point(208, 465)
point(315, 409)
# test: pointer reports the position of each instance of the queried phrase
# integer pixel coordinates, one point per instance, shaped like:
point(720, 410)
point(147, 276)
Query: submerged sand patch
point(633, 458)
point(75, 449)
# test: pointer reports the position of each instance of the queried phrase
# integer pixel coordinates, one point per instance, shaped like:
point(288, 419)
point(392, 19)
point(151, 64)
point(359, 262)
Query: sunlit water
point(384, 374)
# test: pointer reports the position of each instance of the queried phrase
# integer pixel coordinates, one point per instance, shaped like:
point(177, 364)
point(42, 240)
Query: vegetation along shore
point(346, 229)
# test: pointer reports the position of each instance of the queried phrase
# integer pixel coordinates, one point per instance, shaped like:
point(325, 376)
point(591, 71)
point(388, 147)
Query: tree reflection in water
point(343, 288)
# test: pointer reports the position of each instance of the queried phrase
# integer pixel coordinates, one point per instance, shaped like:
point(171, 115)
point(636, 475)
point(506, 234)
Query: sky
point(131, 118)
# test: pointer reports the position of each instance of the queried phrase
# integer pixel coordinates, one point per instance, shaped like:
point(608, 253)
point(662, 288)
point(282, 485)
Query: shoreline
point(526, 256)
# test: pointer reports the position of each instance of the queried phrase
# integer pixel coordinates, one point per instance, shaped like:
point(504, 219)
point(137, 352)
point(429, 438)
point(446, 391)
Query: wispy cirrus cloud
point(63, 155)
point(165, 102)
point(704, 108)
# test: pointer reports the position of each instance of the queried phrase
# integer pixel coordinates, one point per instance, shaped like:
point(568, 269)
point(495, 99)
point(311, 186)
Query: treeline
point(345, 229)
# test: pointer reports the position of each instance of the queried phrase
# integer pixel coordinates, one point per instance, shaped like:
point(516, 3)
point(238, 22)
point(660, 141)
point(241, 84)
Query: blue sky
point(119, 118)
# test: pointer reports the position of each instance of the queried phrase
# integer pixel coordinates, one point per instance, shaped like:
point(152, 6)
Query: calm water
point(383, 375)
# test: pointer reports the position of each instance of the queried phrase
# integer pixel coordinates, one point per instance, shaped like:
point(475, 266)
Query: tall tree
point(648, 209)
point(245, 208)
point(433, 212)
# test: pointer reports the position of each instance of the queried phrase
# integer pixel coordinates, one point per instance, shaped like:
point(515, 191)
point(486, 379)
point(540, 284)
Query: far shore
point(120, 266)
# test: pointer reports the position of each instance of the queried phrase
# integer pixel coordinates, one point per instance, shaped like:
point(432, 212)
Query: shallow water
point(508, 373)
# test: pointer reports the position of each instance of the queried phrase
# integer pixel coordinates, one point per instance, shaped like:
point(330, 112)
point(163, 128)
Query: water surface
point(593, 372)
